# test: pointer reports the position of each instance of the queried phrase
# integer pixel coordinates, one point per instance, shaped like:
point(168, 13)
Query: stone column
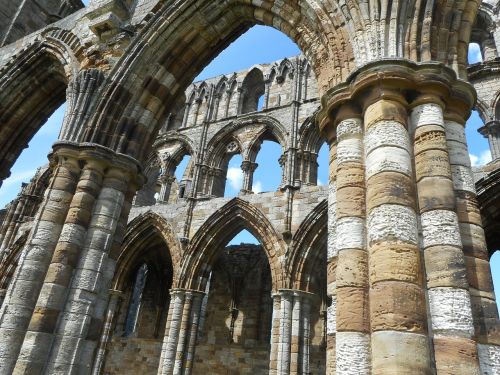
point(181, 332)
point(51, 300)
point(332, 259)
point(290, 338)
point(80, 321)
point(471, 233)
point(115, 297)
point(491, 131)
point(398, 314)
point(166, 185)
point(352, 320)
point(248, 167)
point(447, 286)
point(19, 303)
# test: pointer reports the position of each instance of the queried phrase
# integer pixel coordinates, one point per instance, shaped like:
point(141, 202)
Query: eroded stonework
point(109, 264)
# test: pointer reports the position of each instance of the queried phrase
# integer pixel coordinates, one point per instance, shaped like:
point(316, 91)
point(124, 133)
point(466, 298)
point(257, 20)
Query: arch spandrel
point(217, 231)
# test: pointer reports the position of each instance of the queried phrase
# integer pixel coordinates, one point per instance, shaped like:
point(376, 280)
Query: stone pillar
point(181, 332)
point(22, 295)
point(80, 321)
point(484, 308)
point(51, 300)
point(400, 229)
point(166, 186)
point(398, 309)
point(248, 167)
point(447, 286)
point(352, 320)
point(491, 131)
point(290, 339)
point(115, 297)
point(332, 259)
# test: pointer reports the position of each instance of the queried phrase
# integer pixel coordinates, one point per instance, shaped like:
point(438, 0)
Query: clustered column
point(16, 312)
point(60, 294)
point(426, 255)
point(181, 332)
point(290, 337)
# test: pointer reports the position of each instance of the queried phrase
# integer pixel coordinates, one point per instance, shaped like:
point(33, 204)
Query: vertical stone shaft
point(169, 347)
point(484, 310)
point(398, 313)
point(39, 337)
point(181, 332)
point(107, 330)
point(291, 352)
point(285, 333)
point(77, 330)
point(332, 258)
point(353, 328)
point(275, 327)
point(24, 289)
point(447, 287)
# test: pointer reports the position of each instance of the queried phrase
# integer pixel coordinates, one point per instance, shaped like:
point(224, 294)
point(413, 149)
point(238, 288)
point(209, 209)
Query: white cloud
point(235, 177)
point(475, 55)
point(320, 183)
point(22, 176)
point(257, 187)
point(482, 159)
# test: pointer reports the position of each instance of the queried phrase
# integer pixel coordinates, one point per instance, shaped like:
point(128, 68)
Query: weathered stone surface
point(397, 306)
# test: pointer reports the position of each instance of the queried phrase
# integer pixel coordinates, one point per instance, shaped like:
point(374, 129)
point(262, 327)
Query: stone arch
point(139, 232)
point(32, 86)
point(304, 254)
point(218, 230)
point(176, 54)
point(253, 87)
point(310, 138)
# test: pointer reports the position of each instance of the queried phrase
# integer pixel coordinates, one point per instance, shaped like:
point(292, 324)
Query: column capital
point(186, 292)
point(402, 81)
point(490, 128)
point(293, 293)
point(100, 157)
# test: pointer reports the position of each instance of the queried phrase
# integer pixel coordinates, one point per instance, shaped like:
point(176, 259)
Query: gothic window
point(253, 89)
point(135, 300)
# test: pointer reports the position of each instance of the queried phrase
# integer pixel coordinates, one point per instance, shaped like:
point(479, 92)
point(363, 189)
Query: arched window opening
point(260, 103)
point(479, 150)
point(238, 310)
point(269, 174)
point(475, 54)
point(37, 149)
point(234, 176)
point(323, 161)
point(252, 91)
point(183, 178)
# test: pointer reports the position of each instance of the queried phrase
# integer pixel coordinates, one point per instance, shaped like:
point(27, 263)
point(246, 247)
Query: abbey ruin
point(110, 264)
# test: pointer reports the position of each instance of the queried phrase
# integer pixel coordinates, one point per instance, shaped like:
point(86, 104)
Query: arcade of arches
point(112, 261)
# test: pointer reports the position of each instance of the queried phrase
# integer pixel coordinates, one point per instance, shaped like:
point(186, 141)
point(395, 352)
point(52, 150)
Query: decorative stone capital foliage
point(399, 81)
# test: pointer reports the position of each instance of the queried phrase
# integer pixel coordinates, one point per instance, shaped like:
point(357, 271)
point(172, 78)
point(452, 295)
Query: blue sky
point(243, 53)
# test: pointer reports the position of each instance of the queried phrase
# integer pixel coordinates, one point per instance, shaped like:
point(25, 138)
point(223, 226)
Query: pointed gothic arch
point(139, 233)
point(216, 232)
point(306, 250)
